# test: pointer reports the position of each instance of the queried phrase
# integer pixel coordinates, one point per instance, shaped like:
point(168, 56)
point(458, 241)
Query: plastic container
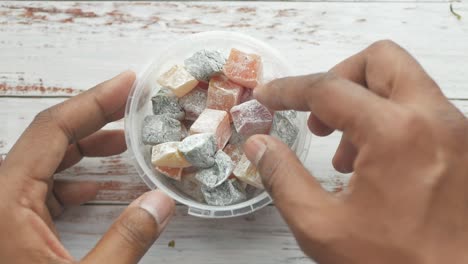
point(139, 105)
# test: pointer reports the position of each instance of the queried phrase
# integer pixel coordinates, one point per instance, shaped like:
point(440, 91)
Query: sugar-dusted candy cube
point(190, 186)
point(223, 94)
point(218, 173)
point(247, 172)
point(215, 122)
point(194, 103)
point(205, 63)
point(158, 129)
point(284, 127)
point(251, 118)
point(230, 192)
point(199, 149)
point(244, 69)
point(168, 155)
point(236, 138)
point(178, 80)
point(166, 103)
point(234, 152)
point(173, 173)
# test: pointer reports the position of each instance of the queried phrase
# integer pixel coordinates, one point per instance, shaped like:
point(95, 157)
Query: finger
point(54, 206)
point(135, 230)
point(70, 193)
point(295, 192)
point(389, 71)
point(317, 127)
point(55, 128)
point(338, 103)
point(102, 143)
point(345, 155)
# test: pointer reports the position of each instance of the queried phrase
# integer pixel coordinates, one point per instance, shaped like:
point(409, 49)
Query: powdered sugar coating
point(251, 118)
point(215, 122)
point(205, 63)
point(230, 192)
point(194, 103)
point(166, 103)
point(199, 149)
point(190, 186)
point(168, 155)
point(284, 127)
point(223, 94)
point(178, 80)
point(218, 173)
point(160, 128)
point(244, 69)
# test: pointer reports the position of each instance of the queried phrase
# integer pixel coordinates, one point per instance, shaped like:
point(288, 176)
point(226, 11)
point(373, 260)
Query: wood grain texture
point(258, 238)
point(59, 49)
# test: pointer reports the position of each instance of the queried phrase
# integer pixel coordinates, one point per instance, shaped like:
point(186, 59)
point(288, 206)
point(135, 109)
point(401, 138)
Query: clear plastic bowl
point(139, 106)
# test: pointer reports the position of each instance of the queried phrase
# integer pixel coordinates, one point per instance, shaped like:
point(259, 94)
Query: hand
point(407, 146)
point(57, 139)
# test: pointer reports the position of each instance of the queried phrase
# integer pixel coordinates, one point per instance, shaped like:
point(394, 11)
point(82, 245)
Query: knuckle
point(133, 229)
point(270, 168)
point(383, 46)
point(52, 117)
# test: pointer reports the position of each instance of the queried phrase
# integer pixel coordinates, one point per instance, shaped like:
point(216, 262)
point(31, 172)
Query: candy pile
point(202, 115)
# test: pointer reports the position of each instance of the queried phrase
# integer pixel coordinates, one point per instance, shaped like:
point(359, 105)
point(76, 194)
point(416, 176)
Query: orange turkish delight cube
point(223, 94)
point(174, 173)
point(244, 68)
point(215, 122)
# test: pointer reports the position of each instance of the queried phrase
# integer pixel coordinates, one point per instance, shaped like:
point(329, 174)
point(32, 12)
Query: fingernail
point(255, 149)
point(158, 204)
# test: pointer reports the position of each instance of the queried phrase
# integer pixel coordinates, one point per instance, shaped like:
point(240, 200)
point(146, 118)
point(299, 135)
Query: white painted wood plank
point(119, 181)
point(259, 238)
point(62, 48)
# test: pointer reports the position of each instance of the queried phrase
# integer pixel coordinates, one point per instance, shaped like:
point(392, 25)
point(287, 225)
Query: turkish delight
point(190, 186)
point(218, 173)
point(230, 192)
point(166, 103)
point(284, 127)
point(204, 64)
point(203, 113)
point(223, 94)
point(168, 155)
point(244, 69)
point(161, 128)
point(234, 152)
point(251, 118)
point(247, 172)
point(174, 173)
point(199, 149)
point(215, 122)
point(194, 103)
point(178, 80)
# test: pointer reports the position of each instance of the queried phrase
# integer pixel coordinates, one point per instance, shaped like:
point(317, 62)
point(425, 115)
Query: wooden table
point(51, 51)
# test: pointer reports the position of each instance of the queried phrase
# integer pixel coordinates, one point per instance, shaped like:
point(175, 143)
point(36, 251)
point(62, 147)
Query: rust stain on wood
point(5, 89)
point(246, 10)
point(286, 12)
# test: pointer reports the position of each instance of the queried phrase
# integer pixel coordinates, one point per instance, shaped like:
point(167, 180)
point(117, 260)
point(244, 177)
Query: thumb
point(294, 191)
point(135, 230)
